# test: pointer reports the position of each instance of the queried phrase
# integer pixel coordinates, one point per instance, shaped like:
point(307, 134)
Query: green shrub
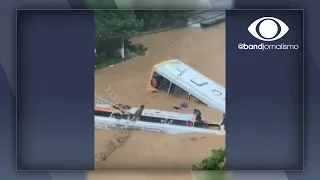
point(139, 49)
point(216, 161)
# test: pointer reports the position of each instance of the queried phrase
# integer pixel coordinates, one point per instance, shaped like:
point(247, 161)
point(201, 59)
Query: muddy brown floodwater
point(202, 49)
point(178, 175)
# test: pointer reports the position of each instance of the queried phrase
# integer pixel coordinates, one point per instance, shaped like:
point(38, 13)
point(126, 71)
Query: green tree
point(112, 29)
point(162, 18)
point(151, 19)
point(178, 18)
point(115, 24)
point(216, 161)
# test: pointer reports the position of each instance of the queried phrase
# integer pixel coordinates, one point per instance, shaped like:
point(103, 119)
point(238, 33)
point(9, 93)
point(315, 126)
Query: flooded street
point(140, 176)
point(156, 175)
point(203, 50)
point(151, 150)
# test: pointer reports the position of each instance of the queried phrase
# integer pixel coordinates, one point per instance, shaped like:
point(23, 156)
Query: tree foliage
point(151, 19)
point(216, 161)
point(162, 18)
point(113, 28)
point(114, 24)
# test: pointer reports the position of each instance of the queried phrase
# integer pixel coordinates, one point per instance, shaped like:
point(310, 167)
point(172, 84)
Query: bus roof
point(193, 82)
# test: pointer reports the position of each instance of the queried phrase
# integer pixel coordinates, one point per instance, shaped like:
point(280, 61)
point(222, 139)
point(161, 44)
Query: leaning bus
point(177, 78)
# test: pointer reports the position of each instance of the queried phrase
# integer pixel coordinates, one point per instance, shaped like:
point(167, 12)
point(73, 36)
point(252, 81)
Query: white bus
point(155, 116)
point(107, 117)
point(177, 78)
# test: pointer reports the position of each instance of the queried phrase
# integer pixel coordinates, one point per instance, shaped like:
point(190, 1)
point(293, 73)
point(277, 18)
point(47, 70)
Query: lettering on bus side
point(177, 122)
point(168, 121)
point(199, 83)
point(216, 92)
point(163, 121)
point(184, 123)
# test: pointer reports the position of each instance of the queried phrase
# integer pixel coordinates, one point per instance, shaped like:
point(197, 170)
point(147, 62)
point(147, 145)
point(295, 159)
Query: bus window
point(159, 82)
point(178, 92)
point(192, 98)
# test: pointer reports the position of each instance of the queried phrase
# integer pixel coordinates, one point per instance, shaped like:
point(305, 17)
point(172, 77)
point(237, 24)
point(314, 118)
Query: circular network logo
point(268, 29)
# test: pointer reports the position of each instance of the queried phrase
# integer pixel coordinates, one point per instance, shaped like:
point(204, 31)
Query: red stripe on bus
point(103, 109)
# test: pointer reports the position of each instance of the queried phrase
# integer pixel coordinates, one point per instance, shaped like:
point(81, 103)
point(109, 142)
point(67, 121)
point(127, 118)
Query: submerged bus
point(177, 78)
point(154, 119)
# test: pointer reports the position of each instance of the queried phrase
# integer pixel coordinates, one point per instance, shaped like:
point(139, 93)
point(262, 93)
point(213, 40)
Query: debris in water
point(176, 107)
point(184, 105)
